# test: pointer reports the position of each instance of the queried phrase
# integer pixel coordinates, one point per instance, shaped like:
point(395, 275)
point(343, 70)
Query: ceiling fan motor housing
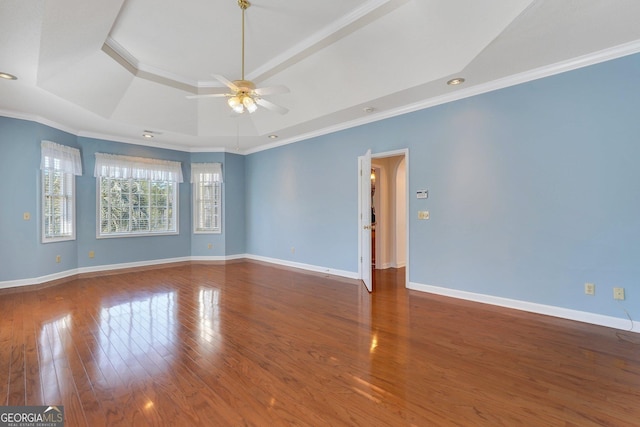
point(244, 86)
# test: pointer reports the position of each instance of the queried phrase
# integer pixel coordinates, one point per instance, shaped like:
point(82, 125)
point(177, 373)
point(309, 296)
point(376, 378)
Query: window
point(59, 165)
point(136, 196)
point(207, 197)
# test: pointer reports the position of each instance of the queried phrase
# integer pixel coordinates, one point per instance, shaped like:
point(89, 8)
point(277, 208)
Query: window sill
point(149, 234)
point(46, 240)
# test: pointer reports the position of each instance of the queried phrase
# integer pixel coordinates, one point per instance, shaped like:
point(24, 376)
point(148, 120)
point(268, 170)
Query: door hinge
point(360, 260)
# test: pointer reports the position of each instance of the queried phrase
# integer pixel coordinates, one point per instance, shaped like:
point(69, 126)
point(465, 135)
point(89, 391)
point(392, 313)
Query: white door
point(365, 220)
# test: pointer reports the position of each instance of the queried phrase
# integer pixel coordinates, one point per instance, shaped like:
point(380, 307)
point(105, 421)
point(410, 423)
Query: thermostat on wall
point(422, 194)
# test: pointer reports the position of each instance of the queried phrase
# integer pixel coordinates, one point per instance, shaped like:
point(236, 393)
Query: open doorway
point(389, 217)
point(391, 206)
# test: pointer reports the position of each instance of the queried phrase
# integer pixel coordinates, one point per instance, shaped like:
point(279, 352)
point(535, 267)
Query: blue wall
point(22, 254)
point(234, 204)
point(200, 242)
point(24, 258)
point(231, 240)
point(129, 249)
point(534, 190)
point(304, 196)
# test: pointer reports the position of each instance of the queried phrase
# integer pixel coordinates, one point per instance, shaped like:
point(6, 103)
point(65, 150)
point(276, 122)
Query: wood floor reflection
point(250, 344)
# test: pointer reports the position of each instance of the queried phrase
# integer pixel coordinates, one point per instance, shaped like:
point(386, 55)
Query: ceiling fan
point(245, 96)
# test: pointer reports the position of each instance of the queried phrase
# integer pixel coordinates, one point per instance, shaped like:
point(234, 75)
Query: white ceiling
point(112, 69)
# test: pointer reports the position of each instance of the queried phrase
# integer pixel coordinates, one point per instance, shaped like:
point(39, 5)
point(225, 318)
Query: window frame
point(69, 211)
point(175, 208)
point(215, 203)
point(110, 167)
point(66, 162)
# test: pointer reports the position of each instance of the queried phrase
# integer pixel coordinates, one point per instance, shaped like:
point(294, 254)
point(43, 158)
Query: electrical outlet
point(209, 246)
point(589, 289)
point(92, 254)
point(58, 258)
point(423, 214)
point(293, 250)
point(618, 293)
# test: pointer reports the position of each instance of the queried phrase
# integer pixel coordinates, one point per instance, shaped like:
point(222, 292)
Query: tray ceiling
point(114, 69)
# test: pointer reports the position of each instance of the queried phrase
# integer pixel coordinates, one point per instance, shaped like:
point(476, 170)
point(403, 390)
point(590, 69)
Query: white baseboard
point(210, 258)
point(302, 266)
point(122, 266)
point(109, 267)
point(113, 267)
point(564, 313)
point(37, 280)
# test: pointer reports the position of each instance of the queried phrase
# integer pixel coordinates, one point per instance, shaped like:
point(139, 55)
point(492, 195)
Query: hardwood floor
point(250, 344)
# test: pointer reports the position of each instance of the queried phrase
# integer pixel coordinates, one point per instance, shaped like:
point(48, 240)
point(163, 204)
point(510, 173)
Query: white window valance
point(211, 172)
point(60, 158)
point(115, 166)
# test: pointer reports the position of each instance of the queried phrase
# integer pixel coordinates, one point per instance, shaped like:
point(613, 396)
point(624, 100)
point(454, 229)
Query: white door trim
point(401, 152)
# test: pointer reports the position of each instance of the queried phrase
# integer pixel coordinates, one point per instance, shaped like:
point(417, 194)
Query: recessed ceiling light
point(456, 81)
point(7, 76)
point(368, 109)
point(147, 134)
point(273, 136)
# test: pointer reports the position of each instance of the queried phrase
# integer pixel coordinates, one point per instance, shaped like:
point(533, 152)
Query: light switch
point(26, 216)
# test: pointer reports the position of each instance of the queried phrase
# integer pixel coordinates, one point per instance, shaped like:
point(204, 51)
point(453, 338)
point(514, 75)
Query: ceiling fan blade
point(271, 90)
point(271, 106)
point(226, 82)
point(209, 95)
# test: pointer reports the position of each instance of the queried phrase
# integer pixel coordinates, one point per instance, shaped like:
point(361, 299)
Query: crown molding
point(38, 119)
point(516, 79)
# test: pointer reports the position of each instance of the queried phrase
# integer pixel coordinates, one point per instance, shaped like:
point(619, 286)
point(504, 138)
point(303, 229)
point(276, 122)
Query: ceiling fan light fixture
point(236, 104)
point(244, 95)
point(249, 104)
